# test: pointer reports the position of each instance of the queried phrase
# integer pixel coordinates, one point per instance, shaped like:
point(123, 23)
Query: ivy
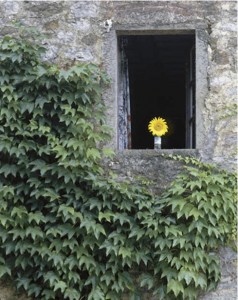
point(208, 180)
point(68, 228)
point(200, 206)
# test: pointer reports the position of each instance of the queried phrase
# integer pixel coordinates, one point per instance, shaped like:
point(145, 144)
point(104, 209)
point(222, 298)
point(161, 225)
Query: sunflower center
point(158, 127)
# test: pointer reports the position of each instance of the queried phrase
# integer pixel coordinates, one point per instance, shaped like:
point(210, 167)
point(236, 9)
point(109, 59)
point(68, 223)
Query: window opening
point(157, 79)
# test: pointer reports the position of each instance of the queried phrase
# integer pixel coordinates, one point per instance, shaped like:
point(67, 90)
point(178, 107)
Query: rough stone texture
point(75, 32)
point(8, 292)
point(226, 289)
point(149, 166)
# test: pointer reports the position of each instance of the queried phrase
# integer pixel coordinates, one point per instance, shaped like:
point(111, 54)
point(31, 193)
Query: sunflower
point(158, 126)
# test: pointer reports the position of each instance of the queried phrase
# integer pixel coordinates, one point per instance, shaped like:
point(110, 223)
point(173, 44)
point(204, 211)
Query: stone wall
point(76, 32)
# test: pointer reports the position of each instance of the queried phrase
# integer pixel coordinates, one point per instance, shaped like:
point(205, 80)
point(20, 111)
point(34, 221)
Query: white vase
point(157, 142)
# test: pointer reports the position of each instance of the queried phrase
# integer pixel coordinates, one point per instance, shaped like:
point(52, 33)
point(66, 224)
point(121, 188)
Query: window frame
point(111, 62)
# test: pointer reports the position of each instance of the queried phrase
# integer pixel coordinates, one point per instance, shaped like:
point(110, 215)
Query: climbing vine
point(67, 230)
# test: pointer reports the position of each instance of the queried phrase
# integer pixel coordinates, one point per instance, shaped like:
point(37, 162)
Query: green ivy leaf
point(60, 285)
point(96, 294)
point(93, 154)
point(4, 270)
point(187, 275)
point(176, 287)
point(125, 252)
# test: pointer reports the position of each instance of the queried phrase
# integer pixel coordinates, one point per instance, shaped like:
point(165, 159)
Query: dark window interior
point(157, 66)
